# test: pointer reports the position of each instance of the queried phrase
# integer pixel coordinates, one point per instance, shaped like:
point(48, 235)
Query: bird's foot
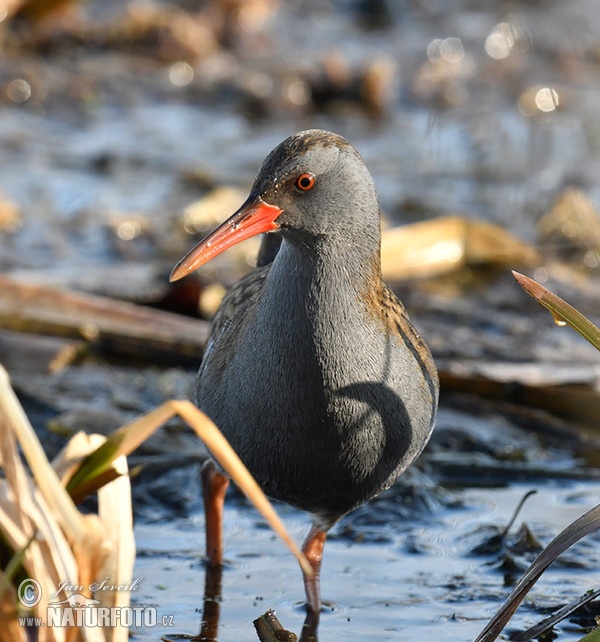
point(310, 626)
point(313, 550)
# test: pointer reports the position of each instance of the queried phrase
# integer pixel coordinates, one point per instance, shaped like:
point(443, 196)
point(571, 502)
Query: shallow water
point(421, 583)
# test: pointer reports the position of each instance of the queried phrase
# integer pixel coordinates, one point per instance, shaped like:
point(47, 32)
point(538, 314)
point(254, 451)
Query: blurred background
point(117, 115)
point(129, 128)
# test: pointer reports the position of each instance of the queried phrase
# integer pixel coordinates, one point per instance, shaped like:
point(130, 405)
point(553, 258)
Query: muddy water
point(420, 581)
point(490, 110)
point(462, 130)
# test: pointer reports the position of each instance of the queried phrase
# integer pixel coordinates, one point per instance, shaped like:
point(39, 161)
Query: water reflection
point(267, 626)
point(211, 611)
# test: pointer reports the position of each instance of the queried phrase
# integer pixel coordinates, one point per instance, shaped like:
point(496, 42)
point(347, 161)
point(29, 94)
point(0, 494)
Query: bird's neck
point(317, 314)
point(323, 283)
point(331, 266)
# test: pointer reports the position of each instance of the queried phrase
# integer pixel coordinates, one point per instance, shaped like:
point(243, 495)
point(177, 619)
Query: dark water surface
point(421, 581)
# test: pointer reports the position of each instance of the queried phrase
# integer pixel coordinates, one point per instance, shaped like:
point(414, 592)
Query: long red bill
point(254, 217)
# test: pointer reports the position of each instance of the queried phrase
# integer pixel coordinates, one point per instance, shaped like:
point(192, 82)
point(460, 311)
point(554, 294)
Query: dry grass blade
point(120, 442)
point(83, 549)
point(52, 541)
point(573, 533)
point(128, 438)
point(28, 526)
point(114, 511)
point(14, 564)
point(48, 483)
point(227, 457)
point(562, 312)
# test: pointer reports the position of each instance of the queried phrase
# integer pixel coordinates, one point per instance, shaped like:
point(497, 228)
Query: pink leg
point(313, 549)
point(214, 487)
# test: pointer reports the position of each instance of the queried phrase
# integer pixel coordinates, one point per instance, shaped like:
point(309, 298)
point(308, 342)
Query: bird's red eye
point(305, 182)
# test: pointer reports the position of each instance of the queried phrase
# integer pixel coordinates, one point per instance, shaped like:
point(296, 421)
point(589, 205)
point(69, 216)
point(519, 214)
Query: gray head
point(321, 184)
point(314, 185)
